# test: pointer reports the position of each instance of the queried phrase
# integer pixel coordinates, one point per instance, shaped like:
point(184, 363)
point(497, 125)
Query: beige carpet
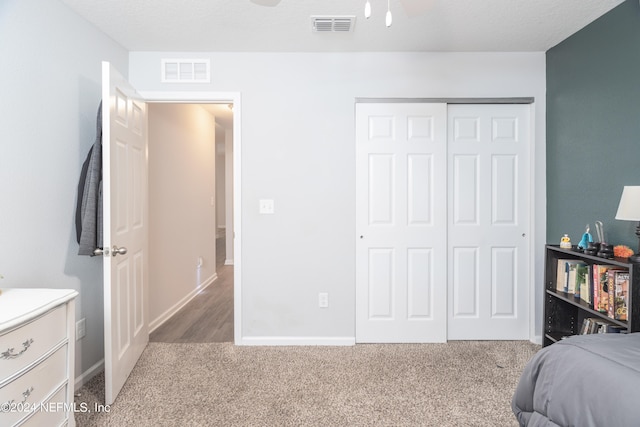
point(463, 383)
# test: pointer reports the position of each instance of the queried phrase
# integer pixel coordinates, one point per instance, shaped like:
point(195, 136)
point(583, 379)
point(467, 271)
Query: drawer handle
point(9, 354)
point(26, 394)
point(10, 404)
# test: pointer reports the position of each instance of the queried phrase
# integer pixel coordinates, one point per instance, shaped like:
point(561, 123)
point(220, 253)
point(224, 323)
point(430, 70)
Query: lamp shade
point(629, 207)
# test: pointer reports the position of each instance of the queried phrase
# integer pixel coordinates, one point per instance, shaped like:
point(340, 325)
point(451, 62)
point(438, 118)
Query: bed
point(584, 380)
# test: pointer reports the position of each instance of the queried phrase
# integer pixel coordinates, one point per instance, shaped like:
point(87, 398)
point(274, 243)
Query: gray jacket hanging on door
point(89, 204)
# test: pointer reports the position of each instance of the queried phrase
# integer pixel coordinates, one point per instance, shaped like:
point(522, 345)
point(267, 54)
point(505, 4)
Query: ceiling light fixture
point(388, 18)
point(367, 10)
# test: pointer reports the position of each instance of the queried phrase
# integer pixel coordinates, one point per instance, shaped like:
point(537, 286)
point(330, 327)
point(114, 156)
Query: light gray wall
point(298, 149)
point(49, 93)
point(182, 219)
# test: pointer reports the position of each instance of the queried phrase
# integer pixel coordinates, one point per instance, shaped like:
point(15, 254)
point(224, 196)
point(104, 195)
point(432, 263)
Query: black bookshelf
point(564, 313)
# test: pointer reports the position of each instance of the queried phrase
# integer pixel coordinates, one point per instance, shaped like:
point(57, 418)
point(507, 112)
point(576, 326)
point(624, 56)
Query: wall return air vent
point(186, 71)
point(332, 24)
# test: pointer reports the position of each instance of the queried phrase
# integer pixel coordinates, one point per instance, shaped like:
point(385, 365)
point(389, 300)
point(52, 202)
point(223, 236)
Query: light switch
point(266, 206)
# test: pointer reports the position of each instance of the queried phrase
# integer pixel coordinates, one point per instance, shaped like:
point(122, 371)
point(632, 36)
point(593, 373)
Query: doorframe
point(183, 97)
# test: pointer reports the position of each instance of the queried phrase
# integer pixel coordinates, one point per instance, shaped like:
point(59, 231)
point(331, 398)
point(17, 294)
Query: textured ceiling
point(426, 25)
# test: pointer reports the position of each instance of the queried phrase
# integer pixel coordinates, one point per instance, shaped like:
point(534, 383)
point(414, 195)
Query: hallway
point(208, 317)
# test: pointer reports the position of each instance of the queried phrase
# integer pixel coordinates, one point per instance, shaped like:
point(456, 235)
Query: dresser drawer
point(52, 413)
point(21, 347)
point(29, 390)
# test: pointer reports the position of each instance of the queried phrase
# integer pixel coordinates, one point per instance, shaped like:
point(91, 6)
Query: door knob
point(102, 252)
point(116, 250)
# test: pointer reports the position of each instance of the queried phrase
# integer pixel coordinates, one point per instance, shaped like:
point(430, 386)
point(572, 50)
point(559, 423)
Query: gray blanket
point(585, 380)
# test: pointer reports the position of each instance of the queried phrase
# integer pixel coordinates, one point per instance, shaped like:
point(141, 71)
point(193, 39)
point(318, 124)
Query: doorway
point(191, 289)
point(233, 250)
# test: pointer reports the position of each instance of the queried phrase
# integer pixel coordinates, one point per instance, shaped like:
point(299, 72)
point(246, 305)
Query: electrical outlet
point(81, 329)
point(323, 300)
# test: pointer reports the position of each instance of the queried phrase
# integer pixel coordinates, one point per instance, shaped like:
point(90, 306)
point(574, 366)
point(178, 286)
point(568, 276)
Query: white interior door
point(488, 227)
point(401, 222)
point(124, 131)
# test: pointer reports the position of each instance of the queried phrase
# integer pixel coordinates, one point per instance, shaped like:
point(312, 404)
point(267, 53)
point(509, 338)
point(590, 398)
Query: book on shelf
point(569, 276)
point(572, 267)
point(562, 274)
point(594, 325)
point(587, 324)
point(620, 295)
point(582, 282)
point(601, 287)
point(590, 286)
point(596, 285)
point(612, 275)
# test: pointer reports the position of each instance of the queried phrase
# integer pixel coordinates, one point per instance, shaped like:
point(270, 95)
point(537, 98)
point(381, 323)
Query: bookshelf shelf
point(564, 313)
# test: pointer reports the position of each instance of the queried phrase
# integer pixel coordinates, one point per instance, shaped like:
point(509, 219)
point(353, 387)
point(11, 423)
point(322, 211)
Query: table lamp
point(629, 210)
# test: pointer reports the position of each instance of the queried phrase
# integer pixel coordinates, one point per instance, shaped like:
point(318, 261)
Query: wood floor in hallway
point(208, 317)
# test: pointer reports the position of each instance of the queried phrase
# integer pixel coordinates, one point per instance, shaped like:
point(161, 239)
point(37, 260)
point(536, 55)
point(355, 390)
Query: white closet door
point(401, 222)
point(488, 221)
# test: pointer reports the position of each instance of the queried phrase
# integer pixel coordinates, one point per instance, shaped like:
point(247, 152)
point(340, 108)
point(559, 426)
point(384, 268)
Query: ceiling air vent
point(332, 24)
point(186, 71)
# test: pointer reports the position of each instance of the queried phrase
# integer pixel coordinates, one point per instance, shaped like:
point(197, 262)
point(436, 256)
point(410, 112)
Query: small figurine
point(586, 238)
point(565, 242)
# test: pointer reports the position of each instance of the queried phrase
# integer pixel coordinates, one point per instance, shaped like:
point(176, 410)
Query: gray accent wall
point(593, 126)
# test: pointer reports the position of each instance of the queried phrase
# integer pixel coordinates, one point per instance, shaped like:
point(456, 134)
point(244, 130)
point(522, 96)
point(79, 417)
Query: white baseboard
point(292, 341)
point(228, 262)
point(86, 376)
point(537, 339)
point(156, 323)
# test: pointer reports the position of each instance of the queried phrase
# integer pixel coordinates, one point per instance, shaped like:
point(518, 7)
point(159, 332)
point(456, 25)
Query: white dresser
point(37, 349)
